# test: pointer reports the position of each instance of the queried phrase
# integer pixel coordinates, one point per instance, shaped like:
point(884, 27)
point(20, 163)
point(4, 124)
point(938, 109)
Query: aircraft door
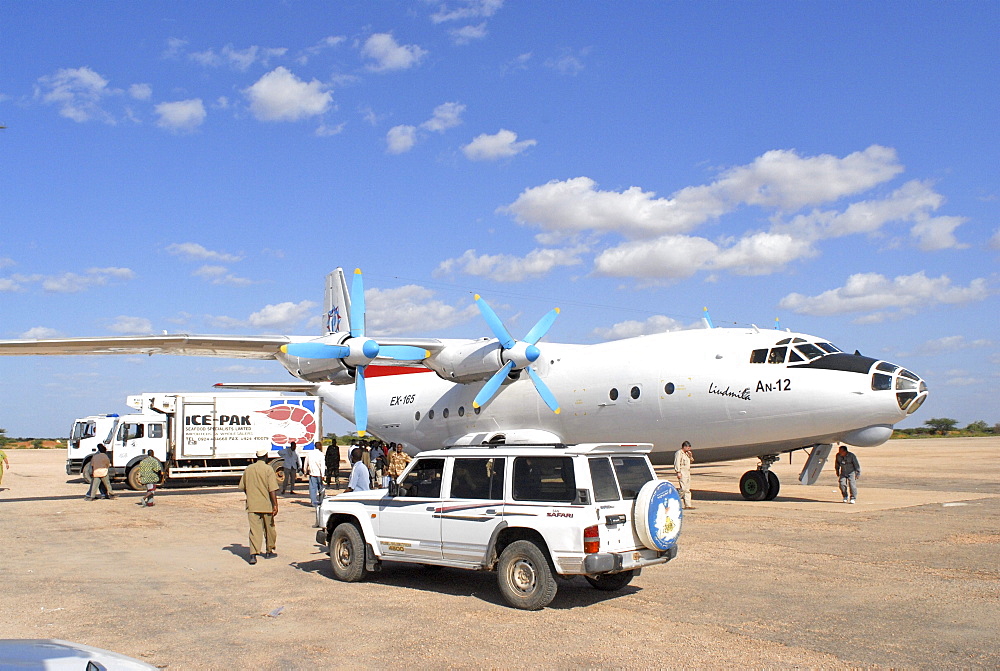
point(413, 529)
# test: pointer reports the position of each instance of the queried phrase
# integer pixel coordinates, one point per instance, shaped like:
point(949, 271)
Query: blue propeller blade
point(491, 386)
point(360, 401)
point(315, 350)
point(543, 391)
point(357, 305)
point(501, 333)
point(403, 352)
point(539, 330)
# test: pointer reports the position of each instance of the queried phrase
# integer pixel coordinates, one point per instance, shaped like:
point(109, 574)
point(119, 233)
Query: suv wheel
point(525, 578)
point(347, 553)
point(611, 582)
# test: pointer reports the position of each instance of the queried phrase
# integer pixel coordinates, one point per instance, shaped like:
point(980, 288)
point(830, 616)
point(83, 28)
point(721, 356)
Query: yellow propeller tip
point(557, 410)
point(357, 271)
point(361, 434)
point(283, 349)
point(476, 297)
point(475, 405)
point(558, 310)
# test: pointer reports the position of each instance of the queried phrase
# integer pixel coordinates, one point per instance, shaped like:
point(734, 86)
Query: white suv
point(527, 511)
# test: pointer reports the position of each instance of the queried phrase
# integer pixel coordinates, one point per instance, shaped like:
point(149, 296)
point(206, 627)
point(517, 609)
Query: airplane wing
point(304, 387)
point(240, 347)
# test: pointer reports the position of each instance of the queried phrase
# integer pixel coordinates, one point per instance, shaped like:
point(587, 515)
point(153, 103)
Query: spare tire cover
point(658, 515)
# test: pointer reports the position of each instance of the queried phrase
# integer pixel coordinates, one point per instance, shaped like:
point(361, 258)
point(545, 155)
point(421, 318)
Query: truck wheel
point(610, 582)
point(132, 480)
point(88, 473)
point(525, 578)
point(347, 553)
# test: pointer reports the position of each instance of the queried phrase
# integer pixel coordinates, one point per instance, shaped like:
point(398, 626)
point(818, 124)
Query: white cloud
point(221, 275)
point(281, 96)
point(632, 328)
point(326, 131)
point(192, 251)
point(463, 10)
point(74, 282)
point(131, 325)
point(140, 91)
point(936, 233)
point(77, 92)
point(948, 344)
point(328, 42)
point(868, 292)
point(671, 256)
point(238, 59)
point(8, 285)
point(466, 34)
point(182, 116)
point(446, 115)
point(40, 332)
point(509, 268)
point(761, 254)
point(400, 139)
point(6, 261)
point(994, 242)
point(567, 63)
point(503, 144)
point(411, 309)
point(283, 316)
point(386, 54)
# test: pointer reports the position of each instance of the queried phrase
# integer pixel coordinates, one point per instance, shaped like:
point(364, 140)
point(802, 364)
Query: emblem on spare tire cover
point(658, 515)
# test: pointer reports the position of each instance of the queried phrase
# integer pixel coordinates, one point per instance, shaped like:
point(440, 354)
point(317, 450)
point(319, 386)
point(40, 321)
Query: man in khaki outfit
point(682, 467)
point(261, 485)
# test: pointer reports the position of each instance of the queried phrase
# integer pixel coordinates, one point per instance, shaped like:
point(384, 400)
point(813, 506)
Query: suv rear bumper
point(614, 562)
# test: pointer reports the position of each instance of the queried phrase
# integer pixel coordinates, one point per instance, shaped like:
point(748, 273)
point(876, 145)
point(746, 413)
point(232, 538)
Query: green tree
point(3, 437)
point(941, 424)
point(37, 443)
point(979, 426)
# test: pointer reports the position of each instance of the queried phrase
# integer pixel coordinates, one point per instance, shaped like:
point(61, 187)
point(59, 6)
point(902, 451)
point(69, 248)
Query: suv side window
point(605, 487)
point(477, 479)
point(544, 479)
point(633, 473)
point(424, 479)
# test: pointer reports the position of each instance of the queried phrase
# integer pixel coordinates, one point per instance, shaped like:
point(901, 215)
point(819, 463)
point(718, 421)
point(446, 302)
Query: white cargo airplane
point(733, 392)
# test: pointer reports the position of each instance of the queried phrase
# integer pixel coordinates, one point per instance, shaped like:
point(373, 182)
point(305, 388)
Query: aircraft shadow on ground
point(482, 585)
point(701, 495)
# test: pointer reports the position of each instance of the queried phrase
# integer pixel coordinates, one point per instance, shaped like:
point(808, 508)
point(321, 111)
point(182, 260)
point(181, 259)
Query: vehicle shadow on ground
point(572, 593)
point(701, 495)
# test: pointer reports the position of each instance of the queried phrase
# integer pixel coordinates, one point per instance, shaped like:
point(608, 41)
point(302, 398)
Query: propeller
point(516, 355)
point(356, 351)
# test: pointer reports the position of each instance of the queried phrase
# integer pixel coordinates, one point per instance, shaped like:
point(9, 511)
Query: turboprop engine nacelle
point(467, 362)
point(316, 370)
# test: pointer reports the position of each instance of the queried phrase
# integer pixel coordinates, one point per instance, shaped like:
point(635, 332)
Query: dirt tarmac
point(908, 577)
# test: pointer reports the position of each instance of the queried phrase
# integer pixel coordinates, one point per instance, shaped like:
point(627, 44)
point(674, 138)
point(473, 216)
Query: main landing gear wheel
point(754, 485)
point(773, 486)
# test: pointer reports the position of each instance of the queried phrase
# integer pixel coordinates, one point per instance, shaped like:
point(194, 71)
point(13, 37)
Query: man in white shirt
point(360, 475)
point(315, 469)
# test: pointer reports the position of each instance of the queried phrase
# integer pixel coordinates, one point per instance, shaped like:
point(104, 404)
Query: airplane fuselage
point(698, 385)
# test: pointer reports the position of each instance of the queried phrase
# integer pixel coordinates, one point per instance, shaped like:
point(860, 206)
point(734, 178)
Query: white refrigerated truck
point(196, 435)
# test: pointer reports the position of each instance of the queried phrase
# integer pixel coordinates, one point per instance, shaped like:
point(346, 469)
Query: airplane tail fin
point(337, 303)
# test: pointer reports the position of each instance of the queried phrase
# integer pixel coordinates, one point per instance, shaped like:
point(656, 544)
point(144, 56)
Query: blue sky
point(199, 167)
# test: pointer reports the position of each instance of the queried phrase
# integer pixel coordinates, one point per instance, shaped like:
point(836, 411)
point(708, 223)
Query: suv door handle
point(491, 511)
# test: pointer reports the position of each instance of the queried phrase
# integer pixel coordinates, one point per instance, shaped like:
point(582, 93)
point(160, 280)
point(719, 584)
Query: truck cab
point(87, 433)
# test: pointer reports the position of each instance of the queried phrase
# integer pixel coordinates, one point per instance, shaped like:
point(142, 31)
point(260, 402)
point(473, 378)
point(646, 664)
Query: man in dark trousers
point(260, 484)
point(848, 471)
point(333, 462)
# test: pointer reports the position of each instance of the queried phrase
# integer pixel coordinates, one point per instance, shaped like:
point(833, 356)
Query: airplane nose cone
point(911, 390)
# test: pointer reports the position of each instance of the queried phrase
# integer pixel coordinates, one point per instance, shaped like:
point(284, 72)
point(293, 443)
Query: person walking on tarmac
point(848, 471)
point(682, 467)
point(260, 484)
point(292, 465)
point(150, 474)
point(333, 463)
point(100, 464)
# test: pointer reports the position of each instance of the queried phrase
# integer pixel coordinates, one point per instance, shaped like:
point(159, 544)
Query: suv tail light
point(592, 539)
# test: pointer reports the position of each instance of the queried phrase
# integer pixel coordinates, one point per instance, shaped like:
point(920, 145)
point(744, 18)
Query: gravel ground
point(909, 577)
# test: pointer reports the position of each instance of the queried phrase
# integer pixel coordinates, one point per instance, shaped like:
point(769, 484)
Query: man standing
point(333, 462)
point(314, 469)
point(3, 464)
point(100, 463)
point(682, 467)
point(397, 463)
point(848, 471)
point(361, 477)
point(260, 484)
point(292, 466)
point(150, 474)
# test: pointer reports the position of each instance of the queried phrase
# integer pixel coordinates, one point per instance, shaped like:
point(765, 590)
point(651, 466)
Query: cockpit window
point(793, 356)
point(809, 350)
point(907, 374)
point(783, 342)
point(777, 355)
point(829, 347)
point(758, 356)
point(886, 367)
point(881, 382)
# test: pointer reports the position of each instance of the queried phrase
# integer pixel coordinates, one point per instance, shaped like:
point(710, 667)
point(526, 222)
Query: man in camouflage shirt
point(150, 474)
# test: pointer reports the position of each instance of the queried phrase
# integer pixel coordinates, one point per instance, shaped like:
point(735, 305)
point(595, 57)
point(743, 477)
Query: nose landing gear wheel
point(754, 485)
point(773, 486)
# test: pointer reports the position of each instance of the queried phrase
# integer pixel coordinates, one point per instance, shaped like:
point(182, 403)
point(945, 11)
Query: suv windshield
point(544, 479)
